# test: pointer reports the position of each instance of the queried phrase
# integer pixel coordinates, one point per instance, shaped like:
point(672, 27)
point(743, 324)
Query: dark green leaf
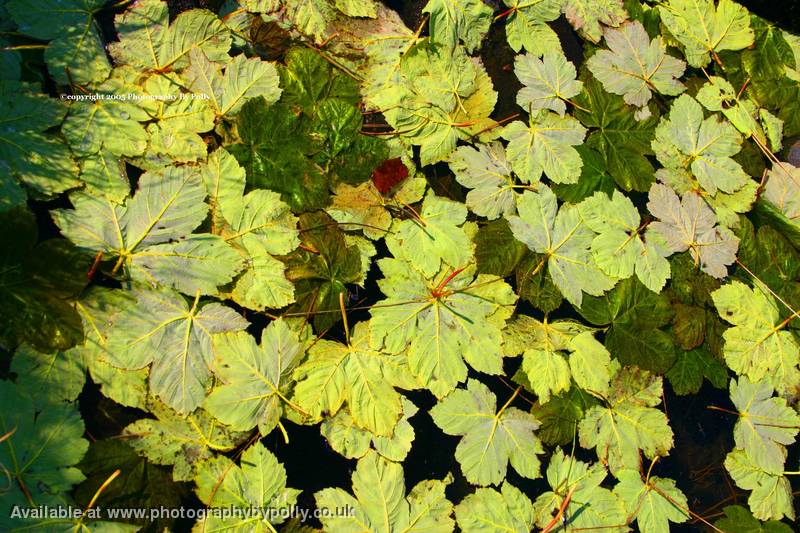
point(308, 79)
point(496, 250)
point(560, 416)
point(535, 285)
point(686, 375)
point(739, 520)
point(594, 177)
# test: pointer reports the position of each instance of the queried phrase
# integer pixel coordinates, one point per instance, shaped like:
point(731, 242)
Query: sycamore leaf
point(766, 425)
point(755, 347)
point(54, 377)
point(38, 285)
point(628, 422)
point(621, 139)
point(164, 330)
point(588, 16)
point(560, 416)
point(77, 56)
point(565, 240)
point(654, 502)
point(635, 66)
point(257, 484)
point(771, 497)
point(111, 123)
point(148, 234)
point(490, 438)
point(526, 25)
point(243, 79)
point(620, 248)
point(355, 374)
point(149, 41)
point(783, 190)
point(451, 20)
point(548, 82)
point(689, 224)
point(704, 30)
point(546, 144)
point(437, 239)
point(357, 8)
point(555, 353)
point(590, 507)
point(104, 174)
point(497, 251)
point(635, 315)
point(41, 161)
point(45, 19)
point(256, 379)
point(441, 327)
point(686, 375)
point(353, 442)
point(487, 173)
point(183, 441)
point(42, 449)
point(489, 511)
point(685, 141)
point(381, 505)
point(738, 519)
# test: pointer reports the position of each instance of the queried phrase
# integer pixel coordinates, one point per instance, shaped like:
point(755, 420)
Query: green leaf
point(689, 224)
point(535, 284)
point(77, 56)
point(139, 485)
point(182, 441)
point(590, 506)
point(46, 19)
point(588, 16)
point(355, 374)
point(620, 248)
point(634, 66)
point(754, 346)
point(164, 330)
point(38, 285)
point(687, 141)
point(440, 333)
point(357, 8)
point(454, 20)
point(704, 29)
point(381, 505)
point(526, 25)
point(634, 314)
point(686, 375)
point(436, 239)
point(490, 511)
point(548, 82)
point(49, 377)
point(545, 144)
point(321, 271)
point(258, 482)
point(104, 174)
point(739, 520)
point(765, 426)
point(628, 422)
point(487, 173)
point(622, 141)
point(244, 78)
point(308, 80)
point(497, 252)
point(40, 161)
point(560, 416)
point(783, 190)
point(771, 497)
point(261, 227)
point(353, 442)
point(565, 240)
point(654, 502)
point(256, 379)
point(594, 177)
point(41, 453)
point(149, 41)
point(490, 438)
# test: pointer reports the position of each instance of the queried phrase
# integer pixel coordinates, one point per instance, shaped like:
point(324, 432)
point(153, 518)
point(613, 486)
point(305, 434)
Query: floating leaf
point(487, 510)
point(380, 504)
point(565, 240)
point(739, 520)
point(490, 438)
point(628, 422)
point(440, 327)
point(453, 20)
point(755, 346)
point(689, 224)
point(704, 30)
point(548, 82)
point(771, 497)
point(655, 502)
point(634, 66)
point(588, 16)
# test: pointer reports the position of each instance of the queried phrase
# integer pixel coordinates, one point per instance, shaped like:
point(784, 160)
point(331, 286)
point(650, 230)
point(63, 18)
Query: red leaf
point(389, 174)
